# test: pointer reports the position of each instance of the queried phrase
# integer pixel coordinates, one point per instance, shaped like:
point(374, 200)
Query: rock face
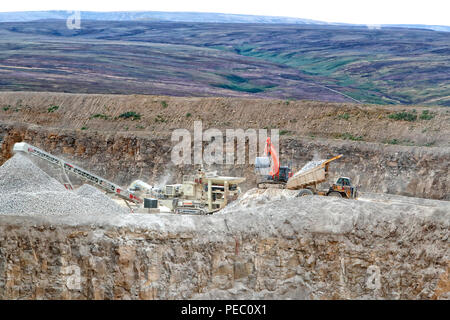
point(300, 248)
point(402, 170)
point(122, 158)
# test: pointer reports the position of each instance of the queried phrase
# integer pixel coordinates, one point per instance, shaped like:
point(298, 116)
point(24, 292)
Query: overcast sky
point(349, 11)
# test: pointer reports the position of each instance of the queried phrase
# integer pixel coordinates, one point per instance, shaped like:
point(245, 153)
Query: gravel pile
point(256, 197)
point(20, 174)
point(27, 190)
point(99, 199)
point(309, 165)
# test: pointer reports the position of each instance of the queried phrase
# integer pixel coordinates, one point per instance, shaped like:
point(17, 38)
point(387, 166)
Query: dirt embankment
point(159, 115)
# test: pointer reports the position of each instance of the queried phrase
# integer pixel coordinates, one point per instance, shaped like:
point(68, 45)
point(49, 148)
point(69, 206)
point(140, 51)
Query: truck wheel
point(335, 194)
point(304, 192)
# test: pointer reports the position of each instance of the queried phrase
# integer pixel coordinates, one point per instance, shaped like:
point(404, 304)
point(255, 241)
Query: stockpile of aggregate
point(19, 174)
point(309, 165)
point(100, 199)
point(27, 190)
point(256, 197)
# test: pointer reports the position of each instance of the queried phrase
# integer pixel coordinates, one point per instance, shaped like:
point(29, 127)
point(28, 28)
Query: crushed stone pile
point(256, 197)
point(20, 174)
point(27, 190)
point(310, 165)
point(94, 195)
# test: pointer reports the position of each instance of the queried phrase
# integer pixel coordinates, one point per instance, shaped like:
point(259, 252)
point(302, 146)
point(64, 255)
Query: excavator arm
point(269, 150)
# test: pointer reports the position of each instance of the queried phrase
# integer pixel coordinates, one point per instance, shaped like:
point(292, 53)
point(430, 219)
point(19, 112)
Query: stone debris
point(257, 197)
point(20, 174)
point(310, 165)
point(94, 195)
point(27, 190)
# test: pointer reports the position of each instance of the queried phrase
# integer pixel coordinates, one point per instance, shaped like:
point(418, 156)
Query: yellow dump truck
point(306, 181)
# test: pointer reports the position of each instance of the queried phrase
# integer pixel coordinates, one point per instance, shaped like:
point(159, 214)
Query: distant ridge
point(24, 16)
point(153, 15)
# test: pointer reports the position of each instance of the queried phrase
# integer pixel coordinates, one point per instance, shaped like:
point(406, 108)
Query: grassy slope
point(45, 56)
point(398, 66)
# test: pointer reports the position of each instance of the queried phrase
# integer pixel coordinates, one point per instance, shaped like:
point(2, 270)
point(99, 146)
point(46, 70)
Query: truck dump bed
point(310, 177)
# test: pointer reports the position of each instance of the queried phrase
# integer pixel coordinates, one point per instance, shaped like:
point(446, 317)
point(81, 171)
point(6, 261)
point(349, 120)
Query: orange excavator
point(271, 174)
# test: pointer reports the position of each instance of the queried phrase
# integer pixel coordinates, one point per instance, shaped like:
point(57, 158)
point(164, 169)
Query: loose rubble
point(257, 197)
point(310, 165)
point(96, 196)
point(21, 174)
point(25, 189)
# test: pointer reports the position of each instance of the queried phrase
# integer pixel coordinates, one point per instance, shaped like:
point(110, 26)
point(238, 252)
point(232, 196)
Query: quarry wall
point(304, 248)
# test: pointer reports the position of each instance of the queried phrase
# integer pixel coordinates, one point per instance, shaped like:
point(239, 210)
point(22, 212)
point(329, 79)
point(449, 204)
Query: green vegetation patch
point(164, 104)
point(52, 109)
point(349, 136)
point(130, 115)
point(344, 116)
point(366, 97)
point(309, 64)
point(238, 83)
point(288, 101)
point(100, 116)
point(426, 115)
point(404, 115)
point(394, 141)
point(249, 89)
point(235, 78)
point(160, 118)
point(285, 132)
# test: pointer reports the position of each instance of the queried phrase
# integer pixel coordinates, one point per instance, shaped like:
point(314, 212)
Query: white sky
point(350, 11)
